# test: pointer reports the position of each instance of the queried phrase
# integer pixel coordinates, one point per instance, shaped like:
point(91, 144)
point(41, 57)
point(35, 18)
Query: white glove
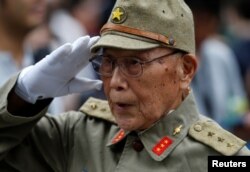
point(55, 75)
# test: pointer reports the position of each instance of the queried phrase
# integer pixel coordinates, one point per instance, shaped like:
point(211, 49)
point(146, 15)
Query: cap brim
point(123, 41)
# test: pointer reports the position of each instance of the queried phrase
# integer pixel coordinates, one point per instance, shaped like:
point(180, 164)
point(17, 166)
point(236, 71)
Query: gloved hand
point(55, 75)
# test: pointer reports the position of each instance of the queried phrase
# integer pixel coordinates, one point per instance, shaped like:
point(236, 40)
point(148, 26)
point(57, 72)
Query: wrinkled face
point(24, 13)
point(139, 102)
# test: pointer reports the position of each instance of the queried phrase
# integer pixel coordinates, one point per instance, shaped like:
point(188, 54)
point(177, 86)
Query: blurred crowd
point(31, 29)
point(221, 85)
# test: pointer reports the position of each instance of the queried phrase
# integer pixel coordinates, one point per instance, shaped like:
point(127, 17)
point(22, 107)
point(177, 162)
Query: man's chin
point(126, 125)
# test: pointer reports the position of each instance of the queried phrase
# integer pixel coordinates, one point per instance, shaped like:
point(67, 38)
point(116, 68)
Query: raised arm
point(25, 99)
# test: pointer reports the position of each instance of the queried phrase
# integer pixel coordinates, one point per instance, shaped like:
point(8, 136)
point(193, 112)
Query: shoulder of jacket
point(210, 133)
point(97, 108)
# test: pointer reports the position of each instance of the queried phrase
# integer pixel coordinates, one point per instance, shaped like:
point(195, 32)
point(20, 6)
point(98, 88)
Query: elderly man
point(145, 56)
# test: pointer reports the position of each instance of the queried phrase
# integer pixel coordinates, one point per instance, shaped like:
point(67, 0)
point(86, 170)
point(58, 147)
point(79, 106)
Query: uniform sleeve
point(12, 128)
point(44, 143)
point(14, 134)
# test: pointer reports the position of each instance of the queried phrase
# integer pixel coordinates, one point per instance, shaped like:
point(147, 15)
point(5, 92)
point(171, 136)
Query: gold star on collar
point(220, 139)
point(177, 130)
point(116, 14)
point(230, 145)
point(210, 134)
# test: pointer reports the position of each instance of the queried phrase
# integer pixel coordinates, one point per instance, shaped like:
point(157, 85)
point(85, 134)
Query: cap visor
point(124, 41)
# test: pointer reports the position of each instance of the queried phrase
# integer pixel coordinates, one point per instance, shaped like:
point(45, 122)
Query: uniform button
point(137, 145)
point(198, 128)
point(93, 106)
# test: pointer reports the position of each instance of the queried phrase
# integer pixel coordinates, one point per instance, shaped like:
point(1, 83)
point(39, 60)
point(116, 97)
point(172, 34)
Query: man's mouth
point(122, 104)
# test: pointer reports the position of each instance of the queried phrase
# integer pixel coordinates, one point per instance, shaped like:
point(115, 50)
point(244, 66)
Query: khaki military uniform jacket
point(90, 141)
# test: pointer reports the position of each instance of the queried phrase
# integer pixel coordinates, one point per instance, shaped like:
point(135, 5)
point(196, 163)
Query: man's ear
point(189, 68)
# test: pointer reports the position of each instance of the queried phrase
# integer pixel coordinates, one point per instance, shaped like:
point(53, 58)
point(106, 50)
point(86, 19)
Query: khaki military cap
point(145, 24)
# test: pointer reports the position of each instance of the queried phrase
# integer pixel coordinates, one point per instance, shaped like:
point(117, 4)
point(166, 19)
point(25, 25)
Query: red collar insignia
point(162, 145)
point(119, 136)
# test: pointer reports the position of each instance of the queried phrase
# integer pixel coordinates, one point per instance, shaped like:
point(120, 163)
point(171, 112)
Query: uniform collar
point(161, 139)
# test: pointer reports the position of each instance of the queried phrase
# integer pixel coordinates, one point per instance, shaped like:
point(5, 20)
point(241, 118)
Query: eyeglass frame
point(141, 62)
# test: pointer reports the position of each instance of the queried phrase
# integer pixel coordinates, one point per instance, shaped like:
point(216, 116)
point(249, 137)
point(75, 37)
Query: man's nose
point(118, 80)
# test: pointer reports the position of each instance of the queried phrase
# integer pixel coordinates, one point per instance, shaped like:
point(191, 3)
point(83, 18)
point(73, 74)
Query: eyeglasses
point(129, 66)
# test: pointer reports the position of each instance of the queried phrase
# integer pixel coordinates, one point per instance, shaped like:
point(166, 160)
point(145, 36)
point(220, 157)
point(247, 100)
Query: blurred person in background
point(218, 86)
point(237, 21)
point(237, 25)
point(17, 19)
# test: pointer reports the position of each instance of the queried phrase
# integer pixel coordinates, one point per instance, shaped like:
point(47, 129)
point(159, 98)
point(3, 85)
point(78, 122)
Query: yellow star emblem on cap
point(116, 14)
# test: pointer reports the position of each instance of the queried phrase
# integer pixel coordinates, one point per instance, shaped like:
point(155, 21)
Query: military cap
point(145, 24)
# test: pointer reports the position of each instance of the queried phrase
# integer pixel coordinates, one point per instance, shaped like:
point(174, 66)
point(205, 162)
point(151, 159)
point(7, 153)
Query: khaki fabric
point(171, 19)
point(80, 142)
point(211, 134)
point(97, 108)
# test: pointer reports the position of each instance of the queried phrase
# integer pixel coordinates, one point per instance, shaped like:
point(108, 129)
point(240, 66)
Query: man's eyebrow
point(106, 54)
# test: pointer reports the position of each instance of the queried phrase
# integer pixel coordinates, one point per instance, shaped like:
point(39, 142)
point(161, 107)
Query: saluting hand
point(55, 75)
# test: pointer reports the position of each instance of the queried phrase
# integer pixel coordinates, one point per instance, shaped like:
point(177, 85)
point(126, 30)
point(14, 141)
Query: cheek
point(149, 95)
point(162, 83)
point(159, 91)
